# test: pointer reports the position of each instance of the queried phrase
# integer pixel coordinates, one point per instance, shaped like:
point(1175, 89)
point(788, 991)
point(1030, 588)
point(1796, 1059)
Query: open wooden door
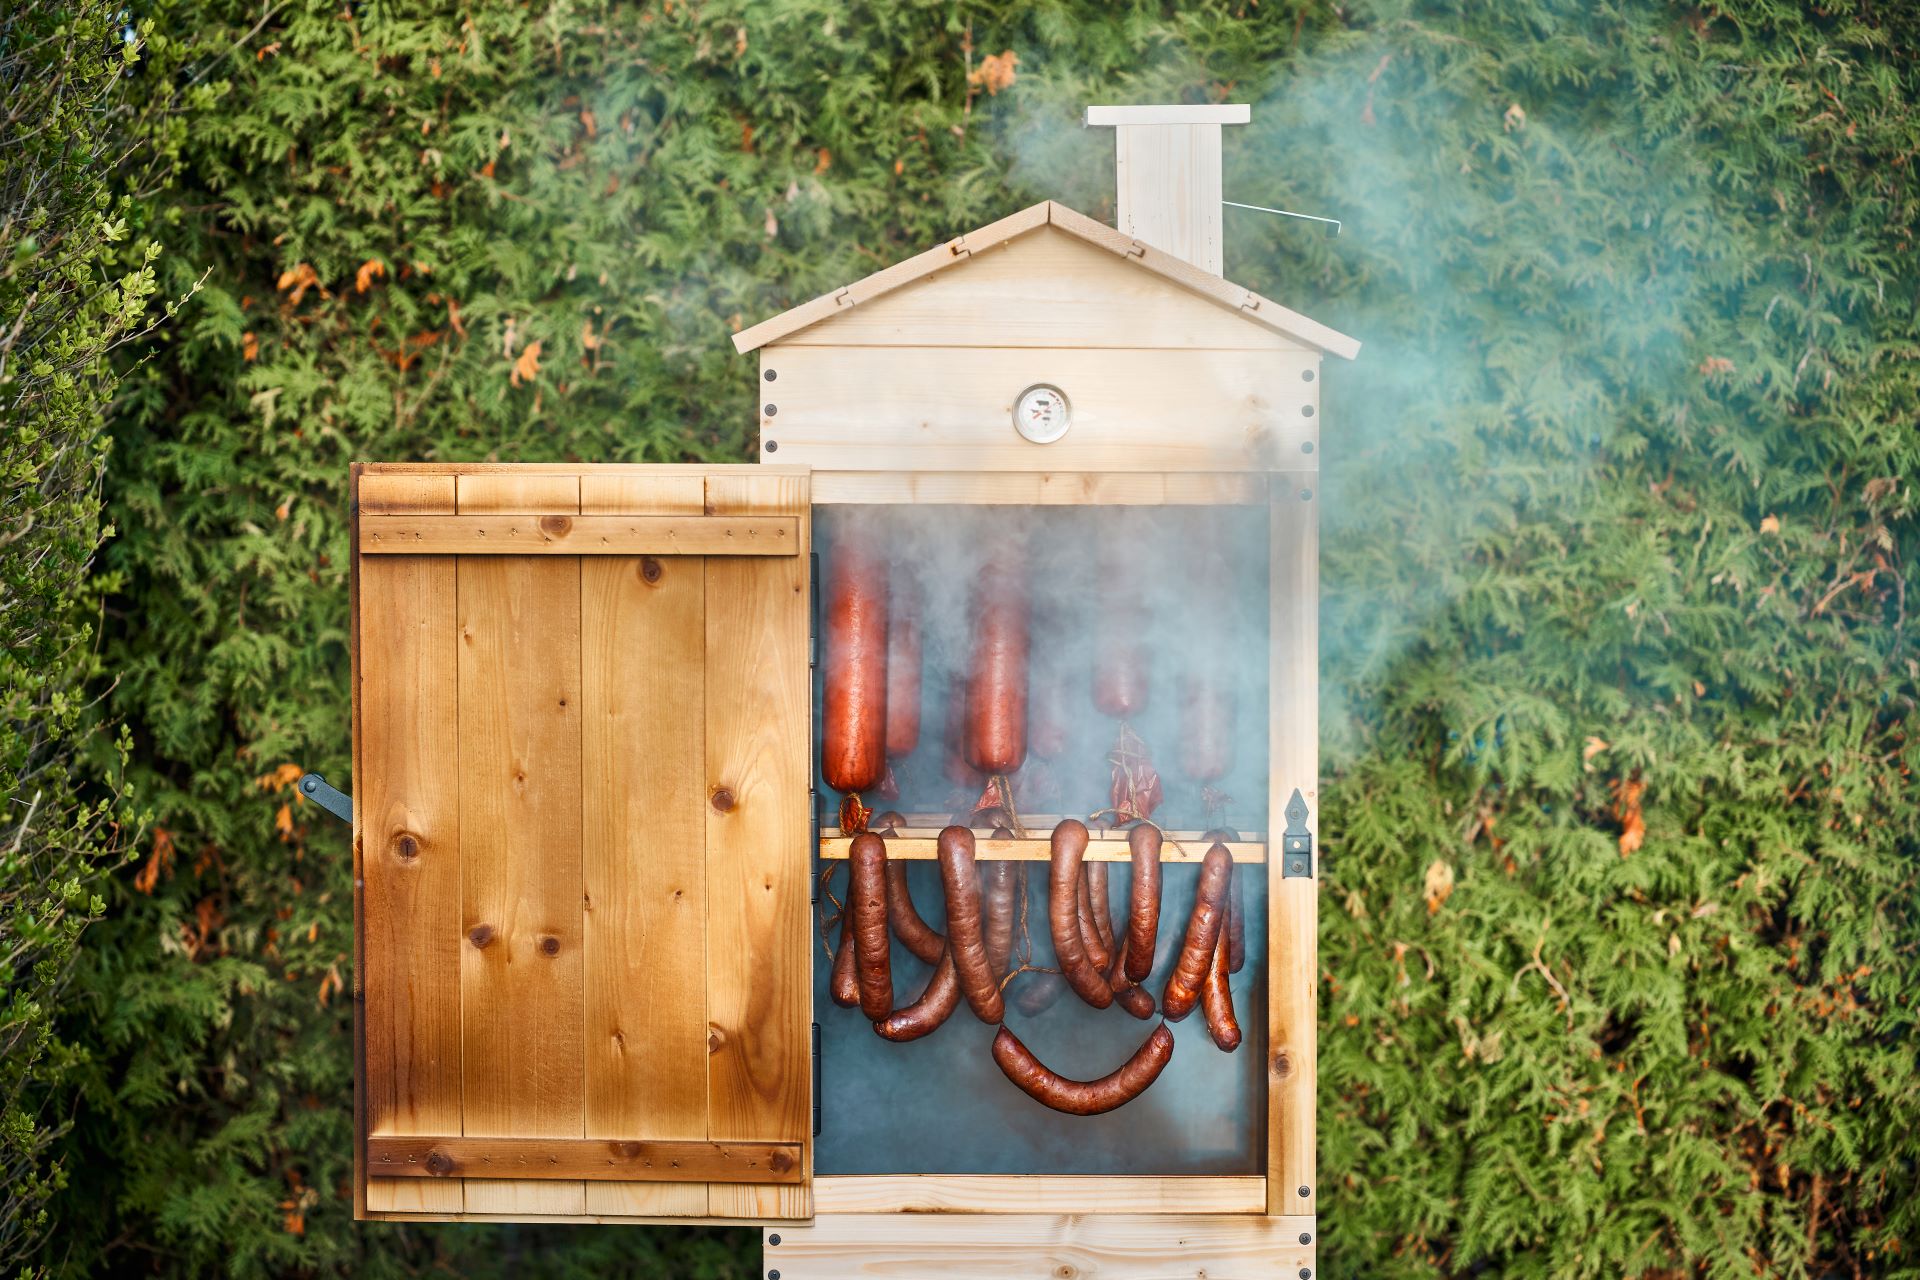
point(582, 733)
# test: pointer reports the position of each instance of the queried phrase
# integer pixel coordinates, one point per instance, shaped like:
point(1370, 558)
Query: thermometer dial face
point(1042, 414)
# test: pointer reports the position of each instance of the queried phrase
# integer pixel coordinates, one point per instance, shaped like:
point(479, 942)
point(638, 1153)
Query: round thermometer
point(1041, 414)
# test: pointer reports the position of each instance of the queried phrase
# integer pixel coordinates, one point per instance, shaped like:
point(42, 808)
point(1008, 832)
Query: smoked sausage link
point(903, 675)
point(867, 906)
point(1084, 1097)
point(916, 934)
point(844, 986)
point(1206, 740)
point(1216, 999)
point(1143, 900)
point(935, 1005)
point(997, 673)
point(1236, 905)
point(965, 945)
point(1136, 1000)
point(1063, 915)
point(853, 726)
point(1204, 928)
point(1001, 878)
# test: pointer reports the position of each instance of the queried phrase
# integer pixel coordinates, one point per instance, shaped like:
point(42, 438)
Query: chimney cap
point(1171, 113)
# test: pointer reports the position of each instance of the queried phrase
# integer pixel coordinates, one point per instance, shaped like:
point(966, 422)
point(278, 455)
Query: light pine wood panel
point(1041, 1247)
point(1293, 911)
point(1042, 488)
point(520, 808)
point(951, 409)
point(985, 1193)
point(408, 820)
point(1047, 289)
point(758, 755)
point(643, 637)
point(555, 534)
point(1168, 178)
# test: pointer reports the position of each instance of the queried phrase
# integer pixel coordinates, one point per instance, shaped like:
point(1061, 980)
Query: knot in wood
point(780, 1161)
point(716, 1038)
point(406, 845)
point(650, 570)
point(556, 526)
point(549, 945)
point(480, 935)
point(1282, 1064)
point(440, 1164)
point(722, 800)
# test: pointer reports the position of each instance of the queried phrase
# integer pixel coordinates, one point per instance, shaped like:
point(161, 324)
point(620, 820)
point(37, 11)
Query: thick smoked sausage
point(1204, 928)
point(1143, 900)
point(1236, 906)
point(1216, 999)
point(935, 1005)
point(1206, 739)
point(965, 944)
point(914, 933)
point(997, 671)
point(1084, 1097)
point(1063, 915)
point(867, 908)
point(903, 672)
point(1136, 1000)
point(1097, 953)
point(853, 727)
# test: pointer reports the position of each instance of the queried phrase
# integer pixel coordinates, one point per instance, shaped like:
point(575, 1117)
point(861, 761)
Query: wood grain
point(1168, 178)
point(989, 1193)
point(1037, 1246)
point(559, 534)
point(643, 645)
point(600, 1159)
point(758, 755)
point(1043, 488)
point(520, 807)
point(1048, 289)
point(951, 408)
point(1293, 910)
point(408, 818)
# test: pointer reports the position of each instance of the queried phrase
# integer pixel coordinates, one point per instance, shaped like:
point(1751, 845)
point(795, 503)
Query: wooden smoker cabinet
point(584, 743)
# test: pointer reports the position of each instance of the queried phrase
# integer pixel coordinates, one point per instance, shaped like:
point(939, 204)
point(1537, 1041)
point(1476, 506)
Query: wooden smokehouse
point(600, 871)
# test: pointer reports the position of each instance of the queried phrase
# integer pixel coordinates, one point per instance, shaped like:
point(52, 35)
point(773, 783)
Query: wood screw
point(771, 375)
point(774, 1238)
point(773, 446)
point(773, 1275)
point(1306, 411)
point(1306, 446)
point(1306, 495)
point(1305, 1238)
point(770, 409)
point(1305, 1192)
point(1306, 375)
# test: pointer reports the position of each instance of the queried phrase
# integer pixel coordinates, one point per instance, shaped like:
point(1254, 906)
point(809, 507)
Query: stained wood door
point(581, 748)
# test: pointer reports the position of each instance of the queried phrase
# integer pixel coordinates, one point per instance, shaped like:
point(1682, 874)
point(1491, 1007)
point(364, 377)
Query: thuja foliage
point(1618, 910)
point(79, 150)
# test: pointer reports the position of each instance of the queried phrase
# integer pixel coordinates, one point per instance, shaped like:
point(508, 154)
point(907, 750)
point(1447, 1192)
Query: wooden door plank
point(409, 836)
point(601, 1159)
point(643, 645)
point(1293, 904)
point(520, 802)
point(555, 534)
point(759, 763)
point(998, 1246)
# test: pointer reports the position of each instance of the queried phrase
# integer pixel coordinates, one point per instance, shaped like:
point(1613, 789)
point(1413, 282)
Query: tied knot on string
point(853, 815)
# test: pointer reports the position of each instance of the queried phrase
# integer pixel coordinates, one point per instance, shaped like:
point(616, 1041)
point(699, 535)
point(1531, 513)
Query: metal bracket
point(1296, 843)
point(327, 796)
point(813, 610)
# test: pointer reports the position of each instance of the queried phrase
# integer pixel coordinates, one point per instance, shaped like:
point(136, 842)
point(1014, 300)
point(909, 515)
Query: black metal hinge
point(816, 1079)
point(1296, 843)
point(327, 796)
point(813, 609)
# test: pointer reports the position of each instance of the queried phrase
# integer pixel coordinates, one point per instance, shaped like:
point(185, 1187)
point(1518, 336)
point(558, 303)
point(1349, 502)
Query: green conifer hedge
point(1619, 929)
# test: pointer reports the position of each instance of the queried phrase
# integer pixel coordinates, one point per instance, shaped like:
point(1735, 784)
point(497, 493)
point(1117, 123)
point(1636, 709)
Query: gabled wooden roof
point(1243, 302)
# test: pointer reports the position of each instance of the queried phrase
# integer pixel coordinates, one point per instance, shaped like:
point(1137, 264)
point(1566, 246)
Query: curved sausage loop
point(1084, 1097)
point(1204, 927)
point(1143, 900)
point(924, 1016)
point(867, 908)
point(1001, 880)
point(1063, 915)
point(1236, 905)
point(845, 986)
point(966, 945)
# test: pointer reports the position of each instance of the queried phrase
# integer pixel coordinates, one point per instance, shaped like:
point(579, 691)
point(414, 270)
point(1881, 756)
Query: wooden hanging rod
point(577, 535)
point(594, 1159)
point(919, 844)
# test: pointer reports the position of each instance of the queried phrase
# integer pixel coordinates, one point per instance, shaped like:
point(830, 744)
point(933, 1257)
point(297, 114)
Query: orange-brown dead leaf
point(280, 778)
point(995, 72)
point(527, 367)
point(1714, 365)
point(823, 161)
point(158, 864)
point(1627, 794)
point(329, 985)
point(283, 822)
point(300, 277)
point(1439, 886)
point(1770, 524)
point(284, 510)
point(370, 270)
point(1595, 745)
point(453, 318)
point(267, 51)
point(588, 123)
point(249, 346)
